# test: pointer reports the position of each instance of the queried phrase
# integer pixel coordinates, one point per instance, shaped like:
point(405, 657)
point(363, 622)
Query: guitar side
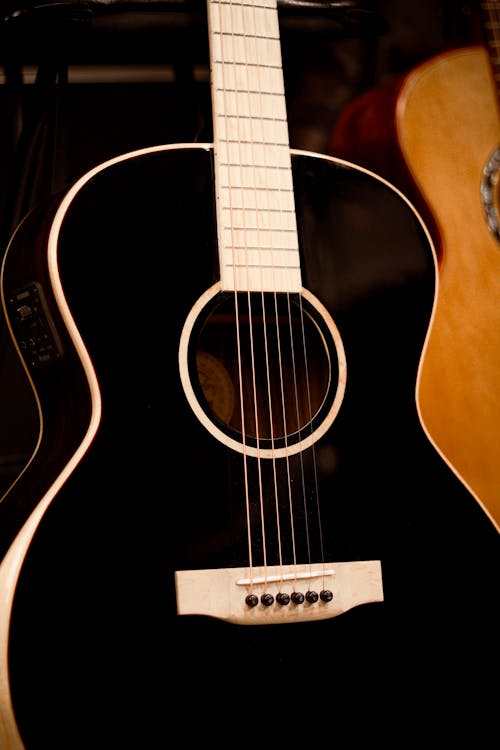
point(138, 489)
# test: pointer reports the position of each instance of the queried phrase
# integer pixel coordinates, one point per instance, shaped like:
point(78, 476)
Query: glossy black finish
point(95, 638)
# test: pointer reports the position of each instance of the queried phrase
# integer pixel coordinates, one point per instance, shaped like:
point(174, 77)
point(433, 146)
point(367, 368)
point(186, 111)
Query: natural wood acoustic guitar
point(446, 131)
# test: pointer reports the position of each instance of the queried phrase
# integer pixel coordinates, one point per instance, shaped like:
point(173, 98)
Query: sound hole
point(263, 366)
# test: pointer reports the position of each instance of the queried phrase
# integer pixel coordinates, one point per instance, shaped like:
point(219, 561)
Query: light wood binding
point(10, 567)
point(448, 127)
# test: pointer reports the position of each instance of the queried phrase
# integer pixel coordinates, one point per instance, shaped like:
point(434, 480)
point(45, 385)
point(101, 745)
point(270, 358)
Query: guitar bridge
point(280, 593)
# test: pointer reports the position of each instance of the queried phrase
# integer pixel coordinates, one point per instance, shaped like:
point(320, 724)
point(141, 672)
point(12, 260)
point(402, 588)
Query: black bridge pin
point(326, 595)
point(267, 599)
point(283, 599)
point(252, 600)
point(298, 597)
point(312, 597)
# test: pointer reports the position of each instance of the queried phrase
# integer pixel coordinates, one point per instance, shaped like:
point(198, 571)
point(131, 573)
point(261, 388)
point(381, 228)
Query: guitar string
point(229, 62)
point(265, 10)
point(285, 420)
point(244, 211)
point(265, 149)
point(248, 39)
point(244, 39)
point(240, 125)
point(268, 230)
point(253, 356)
point(260, 164)
point(223, 71)
point(308, 419)
point(307, 388)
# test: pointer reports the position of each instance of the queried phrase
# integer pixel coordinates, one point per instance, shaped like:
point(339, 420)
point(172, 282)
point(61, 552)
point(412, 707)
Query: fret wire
point(247, 64)
point(249, 91)
point(274, 249)
point(236, 207)
point(261, 188)
point(247, 266)
point(255, 142)
point(259, 229)
point(251, 117)
point(277, 167)
point(243, 36)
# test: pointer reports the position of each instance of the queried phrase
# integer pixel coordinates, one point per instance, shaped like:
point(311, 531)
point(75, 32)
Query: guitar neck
point(490, 18)
point(257, 233)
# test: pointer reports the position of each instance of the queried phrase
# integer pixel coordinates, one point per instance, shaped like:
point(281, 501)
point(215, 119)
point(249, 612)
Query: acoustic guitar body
point(135, 487)
point(449, 130)
point(434, 133)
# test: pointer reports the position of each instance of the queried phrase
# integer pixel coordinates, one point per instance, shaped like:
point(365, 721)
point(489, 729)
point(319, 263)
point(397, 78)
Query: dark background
point(82, 82)
point(85, 81)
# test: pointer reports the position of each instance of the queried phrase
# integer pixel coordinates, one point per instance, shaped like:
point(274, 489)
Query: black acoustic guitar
point(235, 528)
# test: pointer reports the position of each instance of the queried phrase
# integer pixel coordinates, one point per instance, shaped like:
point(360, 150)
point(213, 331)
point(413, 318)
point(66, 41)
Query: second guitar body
point(94, 636)
point(434, 133)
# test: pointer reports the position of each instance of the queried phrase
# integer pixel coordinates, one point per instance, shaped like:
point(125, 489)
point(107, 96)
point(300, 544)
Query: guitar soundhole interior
point(263, 367)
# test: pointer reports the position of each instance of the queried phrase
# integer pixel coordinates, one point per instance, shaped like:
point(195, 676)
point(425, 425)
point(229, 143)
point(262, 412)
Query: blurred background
point(83, 81)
